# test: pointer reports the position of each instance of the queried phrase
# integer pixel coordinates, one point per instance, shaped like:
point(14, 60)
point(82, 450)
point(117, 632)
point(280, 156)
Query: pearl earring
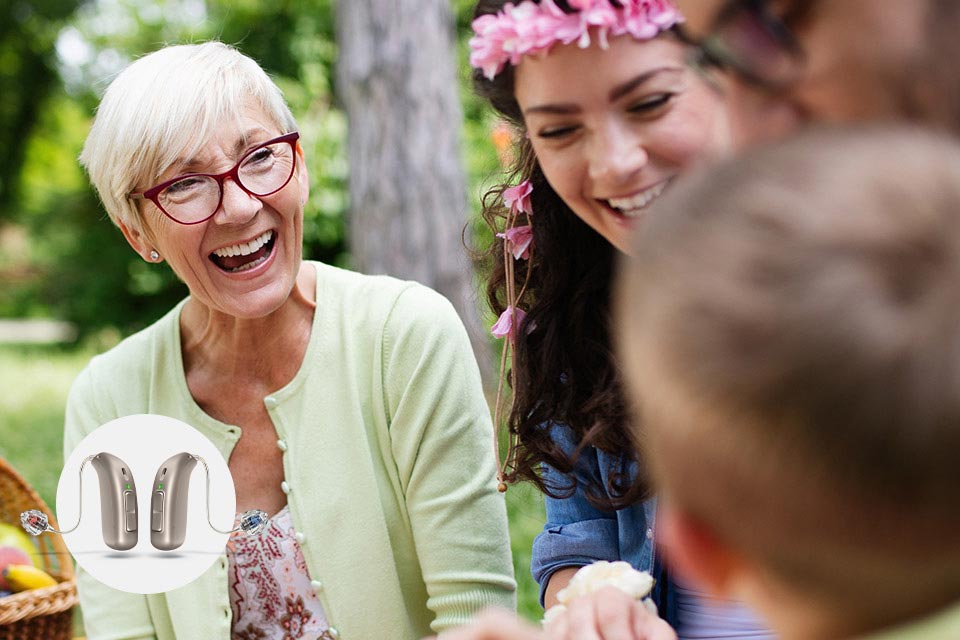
point(154, 256)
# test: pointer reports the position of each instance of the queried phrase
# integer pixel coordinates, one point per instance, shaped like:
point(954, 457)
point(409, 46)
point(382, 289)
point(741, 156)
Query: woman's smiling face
point(612, 127)
point(267, 229)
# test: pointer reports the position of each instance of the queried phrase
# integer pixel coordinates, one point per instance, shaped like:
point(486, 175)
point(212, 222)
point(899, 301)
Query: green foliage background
point(75, 265)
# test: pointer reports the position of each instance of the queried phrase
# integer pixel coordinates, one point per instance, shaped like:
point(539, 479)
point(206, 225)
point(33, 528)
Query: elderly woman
point(349, 407)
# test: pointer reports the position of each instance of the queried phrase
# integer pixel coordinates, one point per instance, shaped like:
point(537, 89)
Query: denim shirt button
point(649, 534)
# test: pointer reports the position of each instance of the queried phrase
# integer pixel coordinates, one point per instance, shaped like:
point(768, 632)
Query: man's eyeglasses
point(748, 39)
point(195, 197)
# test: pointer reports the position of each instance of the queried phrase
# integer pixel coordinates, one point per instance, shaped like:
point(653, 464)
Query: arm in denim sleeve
point(575, 534)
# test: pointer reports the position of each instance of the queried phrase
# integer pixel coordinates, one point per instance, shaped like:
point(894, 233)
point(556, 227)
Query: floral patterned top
point(270, 591)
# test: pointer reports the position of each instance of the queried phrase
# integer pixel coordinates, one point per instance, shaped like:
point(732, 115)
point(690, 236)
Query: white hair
point(164, 107)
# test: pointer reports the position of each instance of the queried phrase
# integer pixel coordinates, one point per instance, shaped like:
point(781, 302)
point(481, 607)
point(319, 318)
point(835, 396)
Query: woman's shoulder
point(377, 288)
point(380, 296)
point(118, 381)
point(138, 352)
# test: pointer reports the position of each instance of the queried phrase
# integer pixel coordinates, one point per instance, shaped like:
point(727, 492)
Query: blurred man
point(793, 61)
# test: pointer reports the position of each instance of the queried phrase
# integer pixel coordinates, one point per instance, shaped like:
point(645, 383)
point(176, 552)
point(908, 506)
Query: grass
point(36, 380)
point(526, 516)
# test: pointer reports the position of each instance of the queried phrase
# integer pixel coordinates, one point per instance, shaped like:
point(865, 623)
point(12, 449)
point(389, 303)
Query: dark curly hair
point(564, 365)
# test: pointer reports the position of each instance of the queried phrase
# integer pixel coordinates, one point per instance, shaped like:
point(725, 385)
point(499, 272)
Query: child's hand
point(607, 614)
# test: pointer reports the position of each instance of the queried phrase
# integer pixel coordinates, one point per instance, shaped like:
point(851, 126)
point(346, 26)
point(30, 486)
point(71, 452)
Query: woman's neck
point(267, 350)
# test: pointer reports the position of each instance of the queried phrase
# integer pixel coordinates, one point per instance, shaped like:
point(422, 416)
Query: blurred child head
point(790, 330)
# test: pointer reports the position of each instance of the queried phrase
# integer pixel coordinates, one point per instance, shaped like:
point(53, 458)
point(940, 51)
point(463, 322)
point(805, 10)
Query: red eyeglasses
point(195, 197)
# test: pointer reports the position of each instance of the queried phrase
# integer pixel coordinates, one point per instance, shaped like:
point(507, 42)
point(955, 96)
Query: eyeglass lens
point(263, 171)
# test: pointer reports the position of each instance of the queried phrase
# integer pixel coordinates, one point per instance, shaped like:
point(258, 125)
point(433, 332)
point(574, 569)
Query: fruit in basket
point(16, 547)
point(8, 556)
point(22, 577)
point(13, 536)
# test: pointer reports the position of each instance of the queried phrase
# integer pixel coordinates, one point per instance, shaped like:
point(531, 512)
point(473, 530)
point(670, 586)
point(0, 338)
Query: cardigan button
point(300, 539)
point(285, 487)
point(282, 445)
point(270, 401)
point(333, 632)
point(316, 584)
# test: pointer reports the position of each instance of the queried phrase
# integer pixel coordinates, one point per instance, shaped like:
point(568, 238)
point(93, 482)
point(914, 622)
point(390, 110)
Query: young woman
point(607, 114)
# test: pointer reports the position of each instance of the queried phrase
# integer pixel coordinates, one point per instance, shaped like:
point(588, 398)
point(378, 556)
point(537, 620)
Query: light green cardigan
point(388, 459)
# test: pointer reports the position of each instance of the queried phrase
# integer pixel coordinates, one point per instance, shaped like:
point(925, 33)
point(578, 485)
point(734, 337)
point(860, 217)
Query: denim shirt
point(577, 534)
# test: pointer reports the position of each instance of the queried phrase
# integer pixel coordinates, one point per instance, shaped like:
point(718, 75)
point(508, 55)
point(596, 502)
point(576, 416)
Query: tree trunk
point(397, 80)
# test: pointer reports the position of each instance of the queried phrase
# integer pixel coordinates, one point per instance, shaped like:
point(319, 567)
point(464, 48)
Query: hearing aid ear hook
point(252, 522)
point(35, 521)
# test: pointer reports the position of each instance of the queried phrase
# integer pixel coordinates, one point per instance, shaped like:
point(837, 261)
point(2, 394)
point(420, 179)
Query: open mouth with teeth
point(246, 255)
point(633, 206)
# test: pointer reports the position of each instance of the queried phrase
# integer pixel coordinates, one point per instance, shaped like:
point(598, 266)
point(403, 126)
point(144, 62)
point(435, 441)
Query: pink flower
point(525, 33)
point(518, 197)
point(662, 13)
point(644, 19)
point(504, 326)
point(599, 14)
point(513, 30)
point(520, 240)
point(556, 26)
point(486, 46)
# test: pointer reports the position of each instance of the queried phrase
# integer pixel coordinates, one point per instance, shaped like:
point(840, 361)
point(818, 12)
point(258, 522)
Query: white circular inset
point(148, 463)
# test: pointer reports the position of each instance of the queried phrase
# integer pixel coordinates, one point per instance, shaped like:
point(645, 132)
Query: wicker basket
point(38, 614)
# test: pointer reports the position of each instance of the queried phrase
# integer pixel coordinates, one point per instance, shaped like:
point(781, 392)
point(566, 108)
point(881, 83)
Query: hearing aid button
point(129, 503)
point(156, 511)
point(131, 521)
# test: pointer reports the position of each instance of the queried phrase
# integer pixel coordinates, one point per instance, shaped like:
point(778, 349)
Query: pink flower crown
point(529, 27)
